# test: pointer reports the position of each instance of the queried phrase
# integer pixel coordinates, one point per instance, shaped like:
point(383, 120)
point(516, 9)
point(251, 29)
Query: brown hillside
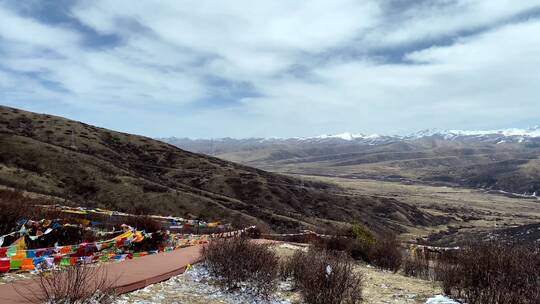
point(98, 167)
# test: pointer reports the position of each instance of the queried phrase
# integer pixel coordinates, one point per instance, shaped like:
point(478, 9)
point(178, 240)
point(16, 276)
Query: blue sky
point(274, 68)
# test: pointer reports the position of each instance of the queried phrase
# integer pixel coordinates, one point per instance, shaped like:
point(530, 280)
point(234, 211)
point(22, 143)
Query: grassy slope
point(474, 213)
point(98, 167)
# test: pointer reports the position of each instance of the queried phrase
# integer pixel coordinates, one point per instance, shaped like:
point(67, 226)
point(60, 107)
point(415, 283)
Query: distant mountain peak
point(513, 135)
point(345, 136)
point(449, 134)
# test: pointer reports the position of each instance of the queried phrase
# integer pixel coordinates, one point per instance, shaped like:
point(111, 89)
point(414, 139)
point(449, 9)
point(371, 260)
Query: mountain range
point(505, 160)
point(494, 136)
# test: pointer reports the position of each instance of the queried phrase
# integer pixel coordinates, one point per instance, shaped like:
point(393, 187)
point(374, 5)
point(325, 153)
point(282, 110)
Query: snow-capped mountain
point(508, 135)
point(498, 136)
point(530, 132)
point(504, 159)
point(513, 135)
point(344, 136)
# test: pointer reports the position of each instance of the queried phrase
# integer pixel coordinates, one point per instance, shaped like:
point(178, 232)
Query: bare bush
point(293, 266)
point(144, 222)
point(417, 265)
point(13, 207)
point(357, 249)
point(361, 250)
point(446, 270)
point(492, 273)
point(77, 284)
point(356, 240)
point(334, 243)
point(386, 253)
point(324, 277)
point(240, 261)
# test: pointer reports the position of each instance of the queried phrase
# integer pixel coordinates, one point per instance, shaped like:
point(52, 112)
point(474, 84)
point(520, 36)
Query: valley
point(472, 212)
point(480, 183)
point(321, 185)
point(506, 160)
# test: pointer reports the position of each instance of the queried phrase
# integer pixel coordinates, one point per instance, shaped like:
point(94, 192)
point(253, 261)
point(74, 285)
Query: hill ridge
point(98, 167)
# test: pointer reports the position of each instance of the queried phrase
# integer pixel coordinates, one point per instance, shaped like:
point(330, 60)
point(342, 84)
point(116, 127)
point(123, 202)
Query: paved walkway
point(127, 276)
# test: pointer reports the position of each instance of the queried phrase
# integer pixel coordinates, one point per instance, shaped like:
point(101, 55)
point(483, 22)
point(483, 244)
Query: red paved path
point(129, 275)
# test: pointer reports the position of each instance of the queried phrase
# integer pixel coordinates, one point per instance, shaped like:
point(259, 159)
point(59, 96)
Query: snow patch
point(440, 299)
point(196, 286)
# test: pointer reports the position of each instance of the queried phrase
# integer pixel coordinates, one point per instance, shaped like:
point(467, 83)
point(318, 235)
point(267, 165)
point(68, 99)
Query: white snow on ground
point(440, 299)
point(14, 276)
point(196, 286)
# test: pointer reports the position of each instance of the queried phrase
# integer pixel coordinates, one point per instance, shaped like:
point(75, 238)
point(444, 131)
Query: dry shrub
point(144, 222)
point(361, 251)
point(77, 284)
point(357, 249)
point(362, 234)
point(417, 265)
point(386, 253)
point(240, 261)
point(324, 277)
point(446, 270)
point(492, 273)
point(334, 243)
point(13, 207)
point(292, 267)
point(356, 240)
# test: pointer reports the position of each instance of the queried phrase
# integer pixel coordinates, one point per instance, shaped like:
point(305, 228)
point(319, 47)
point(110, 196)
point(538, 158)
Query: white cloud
point(245, 38)
point(24, 30)
point(169, 49)
point(484, 80)
point(439, 19)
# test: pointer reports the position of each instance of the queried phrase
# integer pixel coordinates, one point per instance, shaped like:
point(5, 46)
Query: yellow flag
point(20, 244)
point(124, 235)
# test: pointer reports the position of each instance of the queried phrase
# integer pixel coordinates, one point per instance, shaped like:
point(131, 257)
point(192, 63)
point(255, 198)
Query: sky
point(209, 69)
